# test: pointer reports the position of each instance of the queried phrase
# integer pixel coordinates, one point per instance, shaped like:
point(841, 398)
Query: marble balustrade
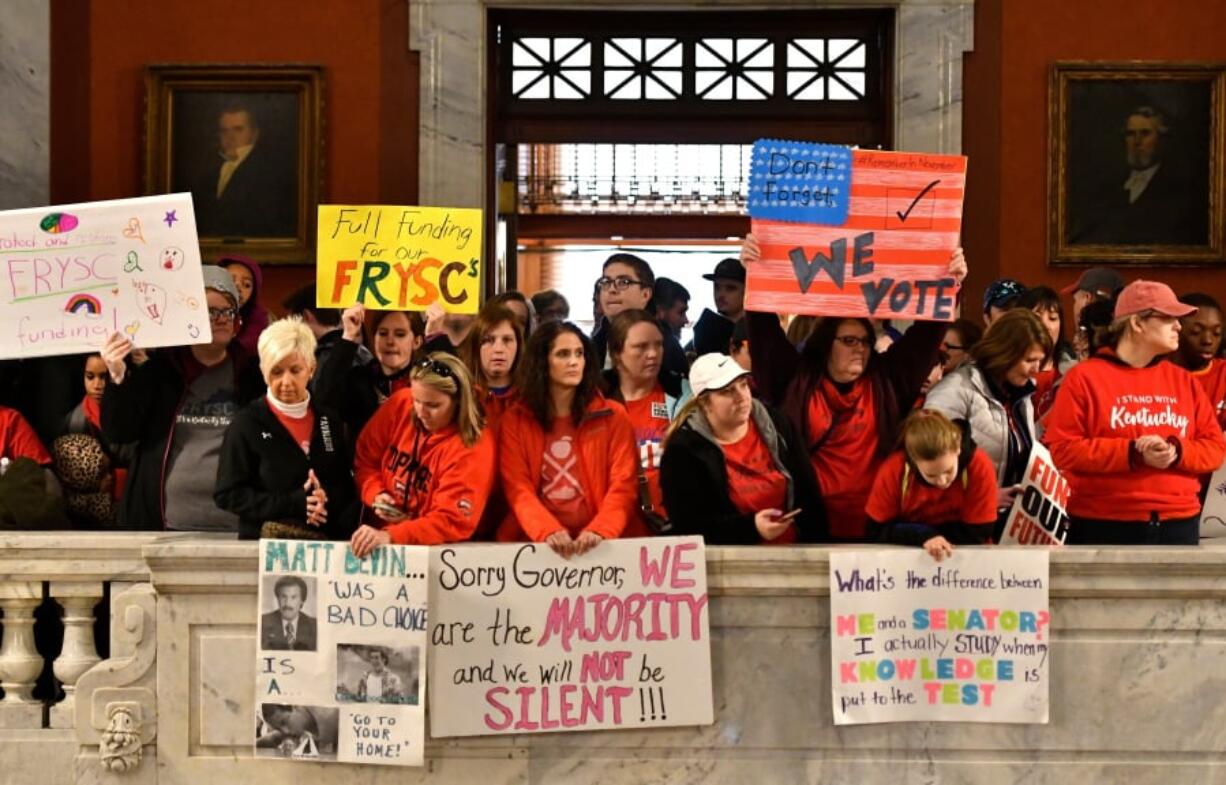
point(1138, 676)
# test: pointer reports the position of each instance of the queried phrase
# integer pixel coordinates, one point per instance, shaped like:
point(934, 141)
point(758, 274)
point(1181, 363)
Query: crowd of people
point(384, 427)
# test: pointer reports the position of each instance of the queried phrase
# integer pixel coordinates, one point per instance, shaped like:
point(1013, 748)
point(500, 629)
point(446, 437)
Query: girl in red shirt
point(651, 396)
point(567, 459)
point(1200, 341)
point(424, 464)
point(492, 351)
point(1133, 434)
point(938, 491)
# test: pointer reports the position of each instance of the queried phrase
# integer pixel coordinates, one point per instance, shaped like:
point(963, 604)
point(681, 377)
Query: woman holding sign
point(284, 466)
point(1132, 434)
point(568, 456)
point(846, 400)
point(358, 390)
point(425, 463)
point(734, 470)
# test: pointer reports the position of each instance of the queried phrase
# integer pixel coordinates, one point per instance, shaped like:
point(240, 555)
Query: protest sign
point(965, 639)
point(398, 258)
point(526, 642)
point(75, 274)
point(1213, 516)
point(876, 237)
point(1039, 515)
point(340, 669)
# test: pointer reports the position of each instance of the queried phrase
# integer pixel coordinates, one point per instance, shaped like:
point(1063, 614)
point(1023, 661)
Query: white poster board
point(526, 642)
point(1039, 515)
point(72, 275)
point(341, 660)
point(962, 640)
point(1213, 516)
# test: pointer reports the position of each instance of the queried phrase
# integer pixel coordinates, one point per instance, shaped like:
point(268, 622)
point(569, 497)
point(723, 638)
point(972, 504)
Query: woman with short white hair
point(285, 463)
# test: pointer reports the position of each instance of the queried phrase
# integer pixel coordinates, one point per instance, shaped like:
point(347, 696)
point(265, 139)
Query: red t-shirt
point(562, 477)
point(1213, 378)
point(18, 439)
point(649, 415)
point(300, 428)
point(754, 483)
point(845, 464)
point(968, 500)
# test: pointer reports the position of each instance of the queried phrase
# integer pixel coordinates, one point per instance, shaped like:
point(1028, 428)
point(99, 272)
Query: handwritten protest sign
point(962, 640)
point(399, 258)
point(70, 276)
point(1213, 516)
point(340, 669)
point(890, 256)
point(524, 642)
point(1040, 512)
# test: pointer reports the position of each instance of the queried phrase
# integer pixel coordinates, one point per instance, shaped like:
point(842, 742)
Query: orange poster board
point(888, 260)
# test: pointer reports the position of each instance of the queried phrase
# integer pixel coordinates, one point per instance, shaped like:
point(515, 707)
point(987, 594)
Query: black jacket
point(353, 389)
point(694, 478)
point(262, 471)
point(143, 410)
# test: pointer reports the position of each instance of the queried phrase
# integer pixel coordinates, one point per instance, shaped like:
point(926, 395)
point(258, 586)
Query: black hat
point(729, 268)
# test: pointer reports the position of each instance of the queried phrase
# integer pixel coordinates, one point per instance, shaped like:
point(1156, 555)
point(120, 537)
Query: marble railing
point(1138, 681)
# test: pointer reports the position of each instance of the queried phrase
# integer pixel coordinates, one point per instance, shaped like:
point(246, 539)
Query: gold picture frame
point(1135, 169)
point(247, 142)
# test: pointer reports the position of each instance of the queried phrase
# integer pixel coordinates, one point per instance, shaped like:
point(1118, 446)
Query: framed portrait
point(1135, 163)
point(246, 142)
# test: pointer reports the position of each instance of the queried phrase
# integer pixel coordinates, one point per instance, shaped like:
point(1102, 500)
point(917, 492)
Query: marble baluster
point(20, 662)
point(79, 652)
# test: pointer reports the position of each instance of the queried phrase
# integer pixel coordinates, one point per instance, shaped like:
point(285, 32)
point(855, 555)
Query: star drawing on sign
point(171, 218)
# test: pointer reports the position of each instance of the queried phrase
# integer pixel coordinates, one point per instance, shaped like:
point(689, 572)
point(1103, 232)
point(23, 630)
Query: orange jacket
point(1103, 406)
point(607, 460)
point(440, 483)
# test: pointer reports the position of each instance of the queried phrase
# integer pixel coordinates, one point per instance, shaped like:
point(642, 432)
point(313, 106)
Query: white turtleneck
point(295, 411)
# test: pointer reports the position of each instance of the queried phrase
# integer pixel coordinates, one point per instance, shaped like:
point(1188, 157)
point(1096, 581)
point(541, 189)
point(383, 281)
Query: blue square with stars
point(802, 182)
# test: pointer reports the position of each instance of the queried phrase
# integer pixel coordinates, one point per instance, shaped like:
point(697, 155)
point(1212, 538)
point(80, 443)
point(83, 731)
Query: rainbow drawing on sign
point(57, 223)
point(84, 303)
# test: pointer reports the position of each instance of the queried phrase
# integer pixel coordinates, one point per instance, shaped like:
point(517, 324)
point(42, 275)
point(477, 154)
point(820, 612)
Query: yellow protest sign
point(398, 258)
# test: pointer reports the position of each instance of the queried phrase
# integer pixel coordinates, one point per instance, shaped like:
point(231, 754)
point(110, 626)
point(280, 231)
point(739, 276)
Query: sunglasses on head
point(433, 366)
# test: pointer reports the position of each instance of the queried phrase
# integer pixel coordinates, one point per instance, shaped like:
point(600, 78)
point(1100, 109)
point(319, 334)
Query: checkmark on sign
point(902, 217)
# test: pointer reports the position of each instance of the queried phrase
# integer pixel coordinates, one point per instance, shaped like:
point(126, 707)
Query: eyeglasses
point(433, 366)
point(851, 341)
point(953, 347)
point(621, 283)
point(223, 314)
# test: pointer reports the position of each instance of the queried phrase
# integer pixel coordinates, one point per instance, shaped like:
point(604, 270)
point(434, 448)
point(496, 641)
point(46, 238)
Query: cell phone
point(787, 516)
point(390, 510)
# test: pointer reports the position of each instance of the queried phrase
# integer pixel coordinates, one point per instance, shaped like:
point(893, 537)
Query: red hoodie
point(1103, 406)
point(1213, 378)
point(440, 483)
point(607, 458)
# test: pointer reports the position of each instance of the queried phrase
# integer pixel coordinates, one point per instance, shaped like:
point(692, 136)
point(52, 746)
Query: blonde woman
point(424, 464)
point(284, 466)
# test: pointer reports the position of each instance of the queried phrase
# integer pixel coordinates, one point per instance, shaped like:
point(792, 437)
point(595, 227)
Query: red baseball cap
point(1141, 296)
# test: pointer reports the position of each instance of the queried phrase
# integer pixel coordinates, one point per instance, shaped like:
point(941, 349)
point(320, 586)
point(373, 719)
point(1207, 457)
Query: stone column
point(25, 123)
point(20, 662)
point(79, 653)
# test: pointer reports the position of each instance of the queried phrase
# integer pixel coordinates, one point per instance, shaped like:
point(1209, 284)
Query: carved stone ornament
point(120, 747)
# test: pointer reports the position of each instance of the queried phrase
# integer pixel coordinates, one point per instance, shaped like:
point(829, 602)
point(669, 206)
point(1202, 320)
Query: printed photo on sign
point(296, 732)
point(966, 639)
point(289, 621)
point(377, 674)
point(343, 644)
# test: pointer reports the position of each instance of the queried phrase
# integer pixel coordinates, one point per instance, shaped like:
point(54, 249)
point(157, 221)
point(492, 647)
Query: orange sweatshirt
point(607, 455)
point(440, 483)
point(1103, 406)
